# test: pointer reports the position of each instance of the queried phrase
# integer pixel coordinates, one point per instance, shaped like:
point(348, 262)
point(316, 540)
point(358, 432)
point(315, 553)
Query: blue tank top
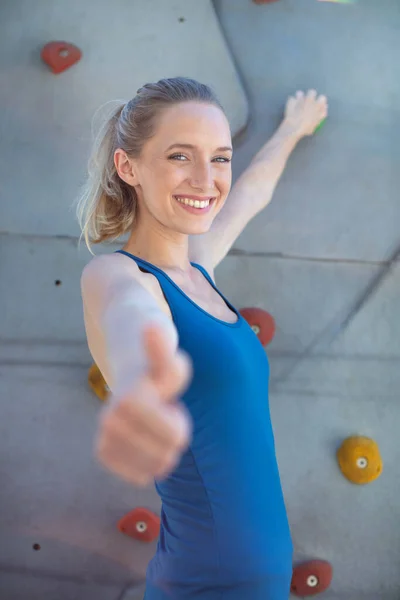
point(223, 517)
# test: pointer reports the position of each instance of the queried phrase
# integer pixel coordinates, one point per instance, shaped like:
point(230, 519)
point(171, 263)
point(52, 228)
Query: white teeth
point(195, 203)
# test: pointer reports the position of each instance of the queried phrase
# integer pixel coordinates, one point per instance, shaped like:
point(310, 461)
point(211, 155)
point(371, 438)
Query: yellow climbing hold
point(359, 459)
point(97, 383)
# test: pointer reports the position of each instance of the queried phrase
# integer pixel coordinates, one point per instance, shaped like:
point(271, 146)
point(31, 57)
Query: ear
point(125, 167)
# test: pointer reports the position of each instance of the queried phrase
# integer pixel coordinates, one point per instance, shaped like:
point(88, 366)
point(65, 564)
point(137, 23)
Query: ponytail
point(107, 206)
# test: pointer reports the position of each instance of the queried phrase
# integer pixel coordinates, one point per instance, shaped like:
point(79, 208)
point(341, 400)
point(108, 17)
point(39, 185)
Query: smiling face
point(183, 175)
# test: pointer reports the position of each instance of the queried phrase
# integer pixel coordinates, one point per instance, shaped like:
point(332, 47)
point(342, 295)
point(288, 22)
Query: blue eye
point(223, 159)
point(182, 157)
point(177, 156)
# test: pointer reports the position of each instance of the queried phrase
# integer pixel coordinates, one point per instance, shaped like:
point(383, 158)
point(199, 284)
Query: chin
point(197, 230)
point(193, 222)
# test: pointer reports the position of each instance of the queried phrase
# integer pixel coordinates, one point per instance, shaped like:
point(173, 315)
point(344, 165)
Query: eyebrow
point(191, 147)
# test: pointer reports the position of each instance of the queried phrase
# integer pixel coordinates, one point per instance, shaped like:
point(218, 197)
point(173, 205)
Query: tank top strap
point(205, 273)
point(169, 290)
point(157, 271)
point(142, 264)
point(211, 282)
point(179, 302)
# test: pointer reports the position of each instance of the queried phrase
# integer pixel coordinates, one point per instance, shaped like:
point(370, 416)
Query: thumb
point(170, 370)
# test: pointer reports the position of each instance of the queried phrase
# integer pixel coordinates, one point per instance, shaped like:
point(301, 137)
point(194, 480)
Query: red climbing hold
point(261, 322)
point(311, 578)
point(140, 524)
point(59, 56)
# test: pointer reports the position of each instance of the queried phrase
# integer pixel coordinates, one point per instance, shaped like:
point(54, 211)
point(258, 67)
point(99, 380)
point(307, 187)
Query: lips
point(191, 197)
point(194, 204)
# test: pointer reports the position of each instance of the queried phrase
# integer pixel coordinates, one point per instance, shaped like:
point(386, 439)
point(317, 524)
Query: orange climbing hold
point(97, 383)
point(359, 459)
point(60, 56)
point(261, 322)
point(311, 578)
point(140, 524)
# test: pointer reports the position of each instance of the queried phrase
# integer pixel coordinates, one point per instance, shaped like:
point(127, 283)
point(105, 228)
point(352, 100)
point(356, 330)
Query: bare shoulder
point(118, 301)
point(112, 274)
point(109, 267)
point(106, 272)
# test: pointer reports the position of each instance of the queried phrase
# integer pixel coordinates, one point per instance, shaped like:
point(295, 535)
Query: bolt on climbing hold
point(60, 56)
point(311, 578)
point(97, 383)
point(141, 524)
point(359, 459)
point(261, 322)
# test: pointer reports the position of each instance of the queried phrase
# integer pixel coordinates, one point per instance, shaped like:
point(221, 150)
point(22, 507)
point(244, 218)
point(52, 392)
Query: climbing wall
point(323, 260)
point(59, 511)
point(318, 273)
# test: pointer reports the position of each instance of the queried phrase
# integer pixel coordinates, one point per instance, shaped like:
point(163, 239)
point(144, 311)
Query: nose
point(202, 176)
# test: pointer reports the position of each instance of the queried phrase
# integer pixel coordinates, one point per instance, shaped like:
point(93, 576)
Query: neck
point(164, 249)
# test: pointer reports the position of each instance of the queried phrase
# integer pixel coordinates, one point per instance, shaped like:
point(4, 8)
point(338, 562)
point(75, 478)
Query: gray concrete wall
point(311, 259)
point(319, 258)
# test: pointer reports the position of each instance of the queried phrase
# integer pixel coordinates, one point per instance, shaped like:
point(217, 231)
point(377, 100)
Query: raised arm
point(255, 187)
point(144, 428)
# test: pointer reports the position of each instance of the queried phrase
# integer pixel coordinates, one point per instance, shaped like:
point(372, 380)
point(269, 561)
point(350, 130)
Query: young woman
point(189, 378)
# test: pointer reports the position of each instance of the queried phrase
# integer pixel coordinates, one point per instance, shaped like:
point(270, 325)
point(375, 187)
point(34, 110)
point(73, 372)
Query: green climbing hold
point(319, 126)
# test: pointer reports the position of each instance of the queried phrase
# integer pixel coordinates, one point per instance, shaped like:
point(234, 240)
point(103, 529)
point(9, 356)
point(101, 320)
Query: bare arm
point(255, 187)
point(144, 429)
point(120, 307)
point(251, 193)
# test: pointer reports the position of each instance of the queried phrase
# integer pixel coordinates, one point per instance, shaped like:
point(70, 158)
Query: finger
point(322, 99)
point(136, 451)
point(169, 369)
point(137, 437)
point(290, 103)
point(157, 349)
point(182, 375)
point(170, 423)
point(172, 380)
point(299, 94)
point(109, 459)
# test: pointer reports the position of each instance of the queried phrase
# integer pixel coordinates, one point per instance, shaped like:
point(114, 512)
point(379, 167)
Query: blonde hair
point(107, 206)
